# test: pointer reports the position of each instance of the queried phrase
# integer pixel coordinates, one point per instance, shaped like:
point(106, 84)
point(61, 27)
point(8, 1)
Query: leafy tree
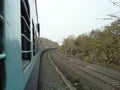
point(101, 46)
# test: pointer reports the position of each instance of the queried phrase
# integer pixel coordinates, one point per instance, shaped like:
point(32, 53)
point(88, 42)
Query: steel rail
point(74, 65)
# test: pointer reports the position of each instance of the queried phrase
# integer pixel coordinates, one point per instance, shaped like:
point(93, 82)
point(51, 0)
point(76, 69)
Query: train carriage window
point(38, 28)
point(33, 32)
point(2, 54)
point(25, 33)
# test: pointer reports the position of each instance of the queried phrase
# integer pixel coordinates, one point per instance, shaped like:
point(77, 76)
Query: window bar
point(26, 8)
point(2, 53)
point(25, 22)
point(26, 51)
point(2, 56)
point(1, 18)
point(26, 38)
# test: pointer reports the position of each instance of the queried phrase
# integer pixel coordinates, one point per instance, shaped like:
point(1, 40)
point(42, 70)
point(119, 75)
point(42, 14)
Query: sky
point(61, 18)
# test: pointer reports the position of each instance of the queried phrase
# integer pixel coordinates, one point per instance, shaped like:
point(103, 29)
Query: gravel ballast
point(49, 79)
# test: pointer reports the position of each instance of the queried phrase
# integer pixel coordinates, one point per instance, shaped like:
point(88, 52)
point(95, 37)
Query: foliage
point(48, 43)
point(101, 46)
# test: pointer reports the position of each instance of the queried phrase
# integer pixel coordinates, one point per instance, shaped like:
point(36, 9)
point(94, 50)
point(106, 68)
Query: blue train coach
point(19, 45)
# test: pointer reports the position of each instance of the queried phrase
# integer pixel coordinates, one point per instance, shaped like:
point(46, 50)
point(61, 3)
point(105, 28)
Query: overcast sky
point(61, 18)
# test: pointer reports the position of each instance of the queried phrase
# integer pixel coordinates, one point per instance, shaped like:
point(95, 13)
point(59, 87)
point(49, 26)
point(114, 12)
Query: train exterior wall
point(12, 45)
point(18, 78)
point(33, 79)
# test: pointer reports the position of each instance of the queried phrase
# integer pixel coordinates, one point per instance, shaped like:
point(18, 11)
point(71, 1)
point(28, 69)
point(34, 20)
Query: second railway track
point(106, 82)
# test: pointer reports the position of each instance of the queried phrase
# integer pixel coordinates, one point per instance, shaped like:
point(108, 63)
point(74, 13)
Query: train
point(20, 46)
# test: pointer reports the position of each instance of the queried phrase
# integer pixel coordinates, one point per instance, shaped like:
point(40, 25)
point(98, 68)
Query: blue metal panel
point(12, 42)
point(29, 68)
point(33, 79)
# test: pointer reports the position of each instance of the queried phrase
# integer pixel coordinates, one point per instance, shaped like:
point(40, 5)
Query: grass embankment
point(70, 75)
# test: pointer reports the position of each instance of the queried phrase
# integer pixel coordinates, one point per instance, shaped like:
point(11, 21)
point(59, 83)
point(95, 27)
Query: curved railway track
point(105, 81)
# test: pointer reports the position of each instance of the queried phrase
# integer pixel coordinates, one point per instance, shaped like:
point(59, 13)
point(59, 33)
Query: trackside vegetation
point(100, 46)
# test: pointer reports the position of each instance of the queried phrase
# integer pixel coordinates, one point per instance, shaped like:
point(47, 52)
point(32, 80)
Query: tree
point(101, 46)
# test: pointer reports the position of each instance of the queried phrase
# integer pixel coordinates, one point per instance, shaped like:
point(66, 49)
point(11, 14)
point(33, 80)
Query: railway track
point(106, 82)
